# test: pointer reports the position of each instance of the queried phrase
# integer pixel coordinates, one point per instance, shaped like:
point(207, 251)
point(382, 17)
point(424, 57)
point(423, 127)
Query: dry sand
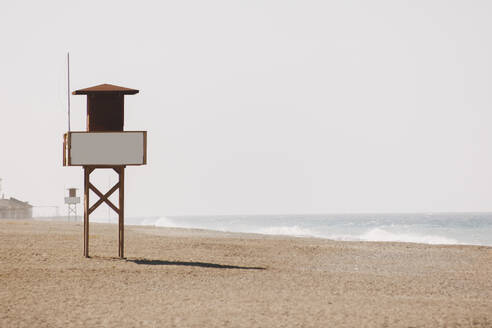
point(193, 278)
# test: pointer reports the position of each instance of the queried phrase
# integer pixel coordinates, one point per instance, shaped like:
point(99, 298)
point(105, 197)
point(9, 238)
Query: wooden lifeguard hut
point(105, 145)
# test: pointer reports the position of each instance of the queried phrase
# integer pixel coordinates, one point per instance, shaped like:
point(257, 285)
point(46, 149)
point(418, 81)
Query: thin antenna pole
point(68, 90)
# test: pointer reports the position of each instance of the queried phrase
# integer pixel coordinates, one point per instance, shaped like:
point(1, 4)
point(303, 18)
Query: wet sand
point(193, 278)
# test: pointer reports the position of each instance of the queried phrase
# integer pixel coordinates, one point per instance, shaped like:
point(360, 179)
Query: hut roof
point(105, 89)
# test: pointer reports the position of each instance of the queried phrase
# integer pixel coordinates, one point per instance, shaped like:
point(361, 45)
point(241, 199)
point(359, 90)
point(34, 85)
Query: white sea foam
point(288, 231)
point(148, 221)
point(344, 237)
point(167, 222)
point(375, 234)
point(378, 234)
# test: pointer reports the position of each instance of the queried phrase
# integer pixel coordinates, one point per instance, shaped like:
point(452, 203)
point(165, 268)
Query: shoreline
point(191, 277)
point(64, 219)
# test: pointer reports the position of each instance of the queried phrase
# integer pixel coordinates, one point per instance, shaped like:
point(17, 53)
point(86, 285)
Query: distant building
point(15, 209)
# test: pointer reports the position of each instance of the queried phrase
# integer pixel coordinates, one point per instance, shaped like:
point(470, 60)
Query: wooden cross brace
point(72, 210)
point(104, 198)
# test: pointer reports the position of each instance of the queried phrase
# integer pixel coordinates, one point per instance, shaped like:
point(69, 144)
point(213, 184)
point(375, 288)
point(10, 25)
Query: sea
point(427, 228)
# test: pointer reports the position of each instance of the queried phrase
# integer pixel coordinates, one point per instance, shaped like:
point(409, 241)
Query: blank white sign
point(107, 148)
point(72, 200)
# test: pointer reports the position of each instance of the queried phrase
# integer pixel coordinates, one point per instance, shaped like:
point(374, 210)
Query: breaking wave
point(381, 235)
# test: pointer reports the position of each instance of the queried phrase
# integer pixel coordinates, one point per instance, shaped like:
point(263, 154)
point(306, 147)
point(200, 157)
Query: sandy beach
point(194, 278)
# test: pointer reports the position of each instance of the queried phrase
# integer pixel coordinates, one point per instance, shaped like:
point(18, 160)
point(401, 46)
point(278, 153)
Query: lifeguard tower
point(72, 200)
point(105, 145)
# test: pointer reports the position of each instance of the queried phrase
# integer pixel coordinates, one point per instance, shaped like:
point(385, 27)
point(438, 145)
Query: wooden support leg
point(87, 172)
point(121, 214)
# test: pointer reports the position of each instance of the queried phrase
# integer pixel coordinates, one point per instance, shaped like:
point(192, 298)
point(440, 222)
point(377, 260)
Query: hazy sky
point(259, 106)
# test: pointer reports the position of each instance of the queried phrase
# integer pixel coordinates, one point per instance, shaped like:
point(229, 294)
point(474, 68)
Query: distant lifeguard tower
point(104, 145)
point(72, 200)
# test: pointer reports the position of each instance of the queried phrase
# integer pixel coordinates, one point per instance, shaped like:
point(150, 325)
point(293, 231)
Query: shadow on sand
point(193, 264)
